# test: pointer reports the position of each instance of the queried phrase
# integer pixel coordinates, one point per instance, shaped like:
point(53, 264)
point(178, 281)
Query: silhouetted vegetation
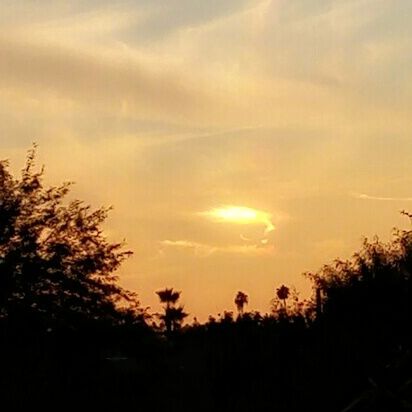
point(71, 336)
point(241, 299)
point(173, 315)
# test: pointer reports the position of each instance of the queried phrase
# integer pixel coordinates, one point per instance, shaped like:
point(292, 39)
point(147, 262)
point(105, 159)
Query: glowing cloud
point(205, 250)
point(241, 215)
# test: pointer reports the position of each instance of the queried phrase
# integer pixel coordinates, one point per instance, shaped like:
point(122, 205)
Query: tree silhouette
point(241, 299)
point(173, 315)
point(278, 303)
point(283, 293)
point(55, 262)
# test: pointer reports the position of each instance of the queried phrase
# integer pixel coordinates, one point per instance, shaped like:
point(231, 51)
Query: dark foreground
point(251, 364)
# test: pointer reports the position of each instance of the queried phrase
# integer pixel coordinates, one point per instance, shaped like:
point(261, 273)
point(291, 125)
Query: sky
point(240, 142)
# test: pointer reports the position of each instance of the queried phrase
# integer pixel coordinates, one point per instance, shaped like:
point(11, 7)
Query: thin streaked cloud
point(205, 250)
point(364, 196)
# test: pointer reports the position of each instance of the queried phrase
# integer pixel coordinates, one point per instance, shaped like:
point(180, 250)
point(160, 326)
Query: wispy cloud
point(127, 86)
point(204, 250)
point(364, 196)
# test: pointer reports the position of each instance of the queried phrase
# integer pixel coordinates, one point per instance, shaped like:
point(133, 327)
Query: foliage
point(55, 262)
point(168, 296)
point(173, 315)
point(287, 305)
point(241, 299)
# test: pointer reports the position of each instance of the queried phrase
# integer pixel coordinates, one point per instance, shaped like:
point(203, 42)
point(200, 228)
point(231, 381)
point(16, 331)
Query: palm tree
point(168, 296)
point(173, 315)
point(241, 299)
point(283, 294)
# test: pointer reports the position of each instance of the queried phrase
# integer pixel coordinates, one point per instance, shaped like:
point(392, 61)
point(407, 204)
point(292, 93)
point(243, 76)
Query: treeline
point(70, 336)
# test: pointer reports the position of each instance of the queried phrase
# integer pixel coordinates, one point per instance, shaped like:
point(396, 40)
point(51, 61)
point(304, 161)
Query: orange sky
point(297, 113)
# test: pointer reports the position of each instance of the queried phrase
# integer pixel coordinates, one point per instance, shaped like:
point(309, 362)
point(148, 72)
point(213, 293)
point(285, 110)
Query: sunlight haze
point(240, 142)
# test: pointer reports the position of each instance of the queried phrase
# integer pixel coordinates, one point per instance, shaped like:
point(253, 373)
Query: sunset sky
point(241, 143)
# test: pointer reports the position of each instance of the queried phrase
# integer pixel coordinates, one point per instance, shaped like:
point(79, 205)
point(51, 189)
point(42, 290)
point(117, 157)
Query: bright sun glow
point(235, 214)
point(241, 215)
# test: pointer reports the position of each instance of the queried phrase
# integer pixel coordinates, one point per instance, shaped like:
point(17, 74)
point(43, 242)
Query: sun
point(240, 215)
point(236, 214)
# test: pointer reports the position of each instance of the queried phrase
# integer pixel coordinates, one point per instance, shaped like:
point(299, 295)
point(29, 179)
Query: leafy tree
point(374, 283)
point(173, 315)
point(55, 262)
point(365, 315)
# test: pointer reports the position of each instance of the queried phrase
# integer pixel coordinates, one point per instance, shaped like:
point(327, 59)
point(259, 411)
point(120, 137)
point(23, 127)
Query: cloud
point(122, 85)
point(205, 250)
point(166, 17)
point(208, 72)
point(364, 196)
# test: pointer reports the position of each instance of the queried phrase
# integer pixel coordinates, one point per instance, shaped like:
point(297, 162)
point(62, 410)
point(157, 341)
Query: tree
point(365, 310)
point(283, 293)
point(278, 303)
point(55, 262)
point(241, 299)
point(173, 315)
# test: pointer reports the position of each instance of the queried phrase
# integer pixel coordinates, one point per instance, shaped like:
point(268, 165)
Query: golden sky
point(241, 142)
